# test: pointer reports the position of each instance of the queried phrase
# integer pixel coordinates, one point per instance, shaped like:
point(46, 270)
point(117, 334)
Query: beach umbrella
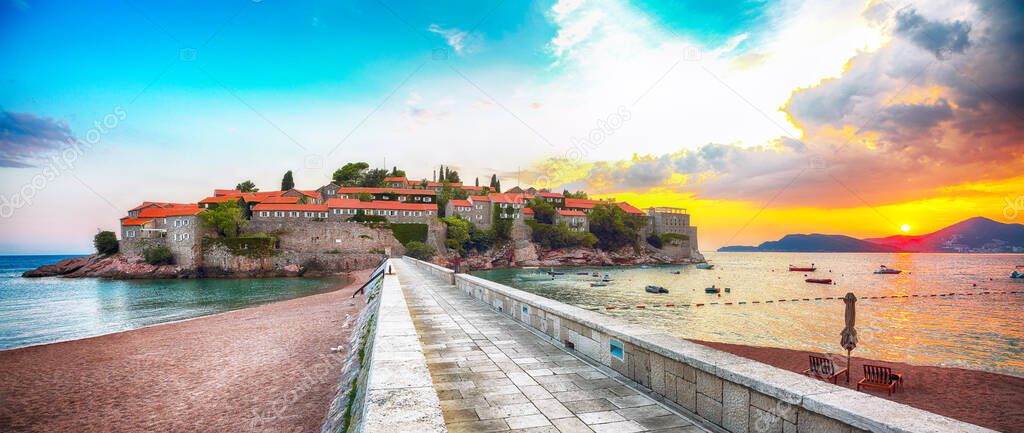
point(849, 335)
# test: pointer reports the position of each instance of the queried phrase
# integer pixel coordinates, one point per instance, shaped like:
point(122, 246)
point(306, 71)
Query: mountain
point(815, 243)
point(975, 235)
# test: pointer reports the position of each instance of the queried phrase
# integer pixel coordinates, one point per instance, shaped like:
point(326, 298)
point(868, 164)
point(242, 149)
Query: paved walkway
point(491, 374)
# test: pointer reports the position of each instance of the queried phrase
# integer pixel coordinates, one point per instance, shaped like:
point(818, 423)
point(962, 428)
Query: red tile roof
point(169, 212)
point(308, 192)
point(579, 203)
point(396, 179)
point(551, 195)
point(630, 209)
point(134, 221)
point(280, 200)
point(437, 184)
point(158, 204)
point(351, 203)
point(566, 212)
point(218, 199)
point(528, 211)
point(507, 198)
point(463, 203)
point(472, 188)
point(401, 191)
point(220, 192)
point(291, 207)
point(479, 198)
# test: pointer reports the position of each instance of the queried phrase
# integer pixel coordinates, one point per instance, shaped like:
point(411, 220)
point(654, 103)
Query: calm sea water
point(981, 332)
point(45, 310)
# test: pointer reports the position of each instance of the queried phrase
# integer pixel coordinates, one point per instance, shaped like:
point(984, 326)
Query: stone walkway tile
point(527, 421)
point(663, 422)
point(571, 425)
point(493, 375)
point(584, 406)
point(687, 429)
point(491, 425)
point(592, 418)
point(505, 411)
point(631, 401)
point(552, 409)
point(643, 412)
point(618, 427)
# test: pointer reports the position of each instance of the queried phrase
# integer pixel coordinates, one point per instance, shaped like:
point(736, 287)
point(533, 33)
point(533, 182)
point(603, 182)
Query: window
point(129, 233)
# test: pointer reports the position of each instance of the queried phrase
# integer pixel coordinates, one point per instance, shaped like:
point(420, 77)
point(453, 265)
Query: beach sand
point(264, 368)
point(990, 400)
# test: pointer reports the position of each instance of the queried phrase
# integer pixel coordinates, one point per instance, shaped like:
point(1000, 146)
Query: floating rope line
point(772, 301)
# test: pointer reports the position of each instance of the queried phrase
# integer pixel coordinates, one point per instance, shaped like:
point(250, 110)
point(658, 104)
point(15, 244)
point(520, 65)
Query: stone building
point(289, 211)
point(341, 209)
point(394, 194)
point(175, 226)
point(577, 221)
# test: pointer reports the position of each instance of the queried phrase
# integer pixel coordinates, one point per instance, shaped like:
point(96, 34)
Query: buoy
point(609, 308)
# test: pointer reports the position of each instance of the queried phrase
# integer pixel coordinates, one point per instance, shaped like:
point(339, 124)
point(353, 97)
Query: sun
point(905, 228)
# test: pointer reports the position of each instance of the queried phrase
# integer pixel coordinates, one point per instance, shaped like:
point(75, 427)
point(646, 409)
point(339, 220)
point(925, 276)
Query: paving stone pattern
point(491, 374)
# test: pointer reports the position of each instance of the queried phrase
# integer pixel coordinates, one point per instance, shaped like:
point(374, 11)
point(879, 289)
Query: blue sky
point(213, 93)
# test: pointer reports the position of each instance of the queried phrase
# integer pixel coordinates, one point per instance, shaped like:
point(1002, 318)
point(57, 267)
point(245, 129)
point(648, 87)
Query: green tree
point(395, 172)
point(440, 174)
point(542, 211)
point(452, 176)
point(373, 178)
point(614, 227)
point(501, 225)
point(419, 250)
point(105, 242)
point(559, 236)
point(226, 218)
point(495, 184)
point(577, 194)
point(287, 182)
point(158, 255)
point(247, 186)
point(365, 196)
point(458, 234)
point(350, 174)
point(476, 182)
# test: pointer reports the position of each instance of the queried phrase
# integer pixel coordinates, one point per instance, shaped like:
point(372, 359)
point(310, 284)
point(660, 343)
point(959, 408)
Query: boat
point(530, 267)
point(705, 266)
point(675, 272)
point(553, 272)
point(598, 284)
point(583, 273)
point(727, 290)
point(595, 274)
point(1018, 273)
point(884, 270)
point(606, 279)
point(655, 289)
point(711, 289)
point(810, 268)
point(819, 280)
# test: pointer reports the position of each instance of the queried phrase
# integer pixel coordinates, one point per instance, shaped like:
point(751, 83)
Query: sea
point(969, 322)
point(46, 310)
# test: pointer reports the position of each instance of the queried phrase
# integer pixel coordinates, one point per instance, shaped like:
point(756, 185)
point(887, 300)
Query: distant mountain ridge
point(974, 235)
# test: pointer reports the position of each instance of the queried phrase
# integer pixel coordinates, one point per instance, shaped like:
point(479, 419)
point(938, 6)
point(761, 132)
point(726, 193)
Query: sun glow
point(905, 228)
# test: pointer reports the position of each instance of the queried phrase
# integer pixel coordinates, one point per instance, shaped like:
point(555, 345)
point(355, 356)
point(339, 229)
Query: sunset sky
point(760, 117)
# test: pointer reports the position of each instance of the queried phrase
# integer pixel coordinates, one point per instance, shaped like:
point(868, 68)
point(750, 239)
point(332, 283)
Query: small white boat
point(1018, 273)
point(705, 266)
point(885, 270)
point(655, 289)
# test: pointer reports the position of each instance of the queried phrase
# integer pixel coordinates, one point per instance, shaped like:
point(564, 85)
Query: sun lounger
point(881, 378)
point(823, 368)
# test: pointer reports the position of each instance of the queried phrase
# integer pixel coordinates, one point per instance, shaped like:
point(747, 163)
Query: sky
point(761, 118)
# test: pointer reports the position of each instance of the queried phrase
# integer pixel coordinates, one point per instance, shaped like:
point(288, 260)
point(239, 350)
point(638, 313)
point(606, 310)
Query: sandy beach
point(990, 400)
point(264, 368)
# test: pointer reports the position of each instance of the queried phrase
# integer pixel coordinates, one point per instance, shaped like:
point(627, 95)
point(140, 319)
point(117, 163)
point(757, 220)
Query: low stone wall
point(726, 391)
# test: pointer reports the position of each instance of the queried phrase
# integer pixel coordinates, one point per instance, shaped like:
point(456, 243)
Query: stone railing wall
point(727, 392)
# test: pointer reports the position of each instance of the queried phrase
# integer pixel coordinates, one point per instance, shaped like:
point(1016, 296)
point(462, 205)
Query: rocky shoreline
point(120, 267)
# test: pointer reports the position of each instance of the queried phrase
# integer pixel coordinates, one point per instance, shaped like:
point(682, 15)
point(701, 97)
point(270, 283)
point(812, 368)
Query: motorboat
point(553, 272)
point(705, 266)
point(655, 289)
point(583, 273)
point(712, 289)
point(810, 268)
point(676, 272)
point(885, 270)
point(819, 280)
point(595, 275)
point(1018, 273)
point(606, 279)
point(727, 290)
point(598, 284)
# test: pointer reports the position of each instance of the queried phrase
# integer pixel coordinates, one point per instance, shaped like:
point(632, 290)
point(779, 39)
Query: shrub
point(542, 210)
point(419, 250)
point(105, 242)
point(669, 237)
point(559, 236)
point(654, 240)
point(408, 232)
point(158, 255)
point(614, 227)
point(458, 233)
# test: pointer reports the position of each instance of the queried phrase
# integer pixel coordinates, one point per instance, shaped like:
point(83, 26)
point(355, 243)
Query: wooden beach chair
point(881, 378)
point(823, 368)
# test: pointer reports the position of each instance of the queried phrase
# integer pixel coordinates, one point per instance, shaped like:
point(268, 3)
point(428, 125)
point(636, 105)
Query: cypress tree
point(287, 182)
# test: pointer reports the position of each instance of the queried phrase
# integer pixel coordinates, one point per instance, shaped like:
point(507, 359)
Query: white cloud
point(460, 41)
